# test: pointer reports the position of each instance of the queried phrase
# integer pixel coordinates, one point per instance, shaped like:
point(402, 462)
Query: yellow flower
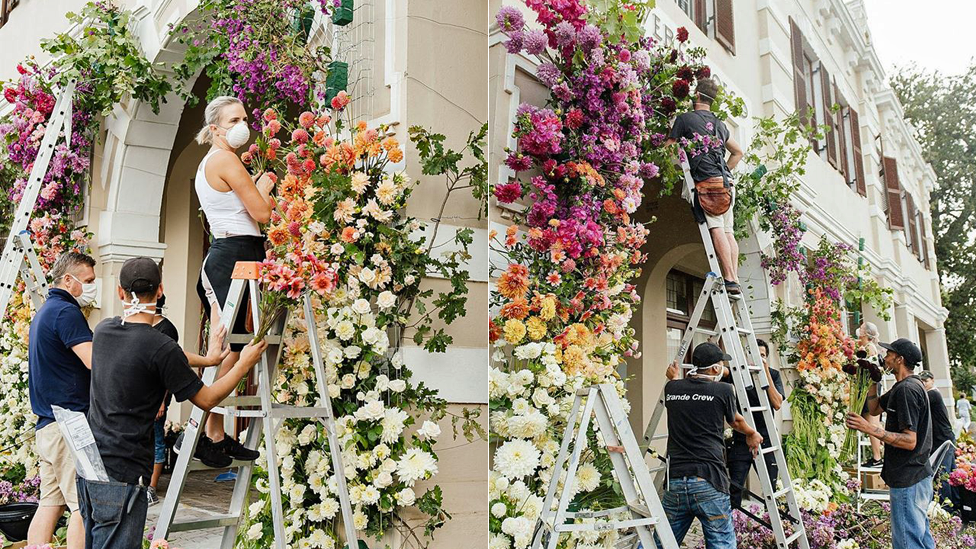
point(574, 359)
point(536, 327)
point(547, 310)
point(514, 331)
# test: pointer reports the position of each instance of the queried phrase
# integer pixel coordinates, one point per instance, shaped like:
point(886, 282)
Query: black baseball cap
point(140, 275)
point(925, 374)
point(708, 354)
point(904, 347)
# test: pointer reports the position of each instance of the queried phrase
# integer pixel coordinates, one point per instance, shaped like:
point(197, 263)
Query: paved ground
point(202, 497)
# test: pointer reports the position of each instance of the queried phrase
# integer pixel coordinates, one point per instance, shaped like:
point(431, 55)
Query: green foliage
point(436, 160)
point(621, 20)
point(105, 60)
point(807, 457)
point(431, 503)
point(782, 147)
point(942, 111)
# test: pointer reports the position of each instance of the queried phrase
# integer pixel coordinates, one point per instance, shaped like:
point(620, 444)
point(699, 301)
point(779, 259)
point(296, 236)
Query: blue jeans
point(692, 497)
point(909, 523)
point(114, 514)
point(158, 427)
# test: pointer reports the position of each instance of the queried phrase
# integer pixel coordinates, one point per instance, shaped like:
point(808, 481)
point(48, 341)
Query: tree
point(942, 109)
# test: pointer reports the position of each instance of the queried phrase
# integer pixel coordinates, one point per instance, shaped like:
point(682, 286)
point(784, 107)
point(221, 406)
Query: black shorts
point(214, 282)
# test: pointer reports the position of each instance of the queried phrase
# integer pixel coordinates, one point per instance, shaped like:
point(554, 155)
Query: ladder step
point(197, 465)
point(711, 333)
point(744, 331)
point(605, 526)
point(216, 521)
point(641, 510)
point(659, 437)
point(755, 409)
point(793, 537)
point(246, 338)
point(783, 492)
point(769, 450)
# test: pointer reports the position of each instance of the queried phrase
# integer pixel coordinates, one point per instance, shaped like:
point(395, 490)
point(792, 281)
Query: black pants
point(739, 462)
point(217, 268)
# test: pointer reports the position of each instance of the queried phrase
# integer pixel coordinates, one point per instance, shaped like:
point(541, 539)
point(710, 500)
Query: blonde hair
point(211, 115)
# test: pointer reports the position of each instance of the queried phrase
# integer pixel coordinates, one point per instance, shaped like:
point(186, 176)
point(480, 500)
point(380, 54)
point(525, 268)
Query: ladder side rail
point(264, 389)
point(31, 262)
point(638, 465)
point(742, 382)
point(329, 421)
point(10, 261)
point(626, 472)
point(574, 459)
point(751, 347)
point(547, 510)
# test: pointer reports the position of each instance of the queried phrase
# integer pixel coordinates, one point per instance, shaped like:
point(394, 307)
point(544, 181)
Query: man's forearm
point(904, 441)
point(198, 361)
point(733, 161)
point(218, 391)
point(741, 426)
point(874, 405)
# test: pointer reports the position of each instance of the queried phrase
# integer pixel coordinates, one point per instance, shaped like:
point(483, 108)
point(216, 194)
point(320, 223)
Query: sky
point(936, 34)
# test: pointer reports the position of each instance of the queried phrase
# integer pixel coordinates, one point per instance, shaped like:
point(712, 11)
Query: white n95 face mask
point(88, 292)
point(135, 307)
point(238, 134)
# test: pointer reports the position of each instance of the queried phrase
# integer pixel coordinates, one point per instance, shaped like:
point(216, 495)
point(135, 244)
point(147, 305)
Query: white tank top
point(224, 210)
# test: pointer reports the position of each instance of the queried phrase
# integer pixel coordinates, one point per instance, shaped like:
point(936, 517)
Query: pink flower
point(508, 192)
point(299, 136)
point(306, 119)
point(273, 128)
point(269, 115)
point(340, 101)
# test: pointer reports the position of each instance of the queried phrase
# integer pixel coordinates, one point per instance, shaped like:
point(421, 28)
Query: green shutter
point(342, 14)
point(337, 80)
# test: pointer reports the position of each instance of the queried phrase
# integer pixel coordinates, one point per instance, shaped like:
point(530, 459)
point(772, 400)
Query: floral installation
point(964, 474)
point(339, 212)
point(861, 375)
point(564, 296)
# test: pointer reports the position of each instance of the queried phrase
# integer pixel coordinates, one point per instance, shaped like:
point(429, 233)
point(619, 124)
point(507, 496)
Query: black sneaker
point(733, 288)
point(151, 496)
point(207, 452)
point(871, 463)
point(236, 450)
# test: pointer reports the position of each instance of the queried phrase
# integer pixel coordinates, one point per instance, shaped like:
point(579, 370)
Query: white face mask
point(88, 292)
point(135, 307)
point(238, 134)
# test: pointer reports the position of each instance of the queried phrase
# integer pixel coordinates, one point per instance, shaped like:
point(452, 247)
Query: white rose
point(383, 480)
point(398, 385)
point(337, 249)
point(348, 381)
point(429, 431)
point(382, 383)
point(373, 410)
point(386, 299)
point(361, 306)
point(367, 275)
point(406, 497)
point(254, 532)
point(409, 279)
point(352, 351)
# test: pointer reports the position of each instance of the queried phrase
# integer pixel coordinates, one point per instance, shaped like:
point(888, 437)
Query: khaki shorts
point(725, 220)
point(57, 469)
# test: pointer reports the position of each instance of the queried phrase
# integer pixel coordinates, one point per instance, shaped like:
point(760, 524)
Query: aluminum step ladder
point(643, 510)
point(267, 418)
point(734, 327)
point(15, 249)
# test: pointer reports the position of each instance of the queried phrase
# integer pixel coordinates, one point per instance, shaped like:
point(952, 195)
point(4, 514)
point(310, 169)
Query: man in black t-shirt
point(907, 437)
point(941, 432)
point(133, 366)
point(740, 458)
point(705, 139)
point(698, 483)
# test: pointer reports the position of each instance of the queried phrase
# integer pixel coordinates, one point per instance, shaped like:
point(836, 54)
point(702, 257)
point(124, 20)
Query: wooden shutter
point(799, 82)
point(842, 144)
point(725, 24)
point(829, 116)
point(858, 167)
point(701, 16)
point(912, 224)
point(896, 215)
point(925, 241)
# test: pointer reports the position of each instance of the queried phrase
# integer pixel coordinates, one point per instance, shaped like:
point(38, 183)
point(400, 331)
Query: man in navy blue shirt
point(59, 358)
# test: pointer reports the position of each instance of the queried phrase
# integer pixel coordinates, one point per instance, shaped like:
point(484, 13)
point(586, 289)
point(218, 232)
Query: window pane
point(674, 341)
point(677, 293)
point(686, 6)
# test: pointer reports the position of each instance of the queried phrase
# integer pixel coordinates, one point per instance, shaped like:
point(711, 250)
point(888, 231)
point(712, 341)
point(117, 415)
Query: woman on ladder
point(234, 203)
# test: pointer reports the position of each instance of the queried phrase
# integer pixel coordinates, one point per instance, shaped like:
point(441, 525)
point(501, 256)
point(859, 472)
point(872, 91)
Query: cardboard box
point(873, 481)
